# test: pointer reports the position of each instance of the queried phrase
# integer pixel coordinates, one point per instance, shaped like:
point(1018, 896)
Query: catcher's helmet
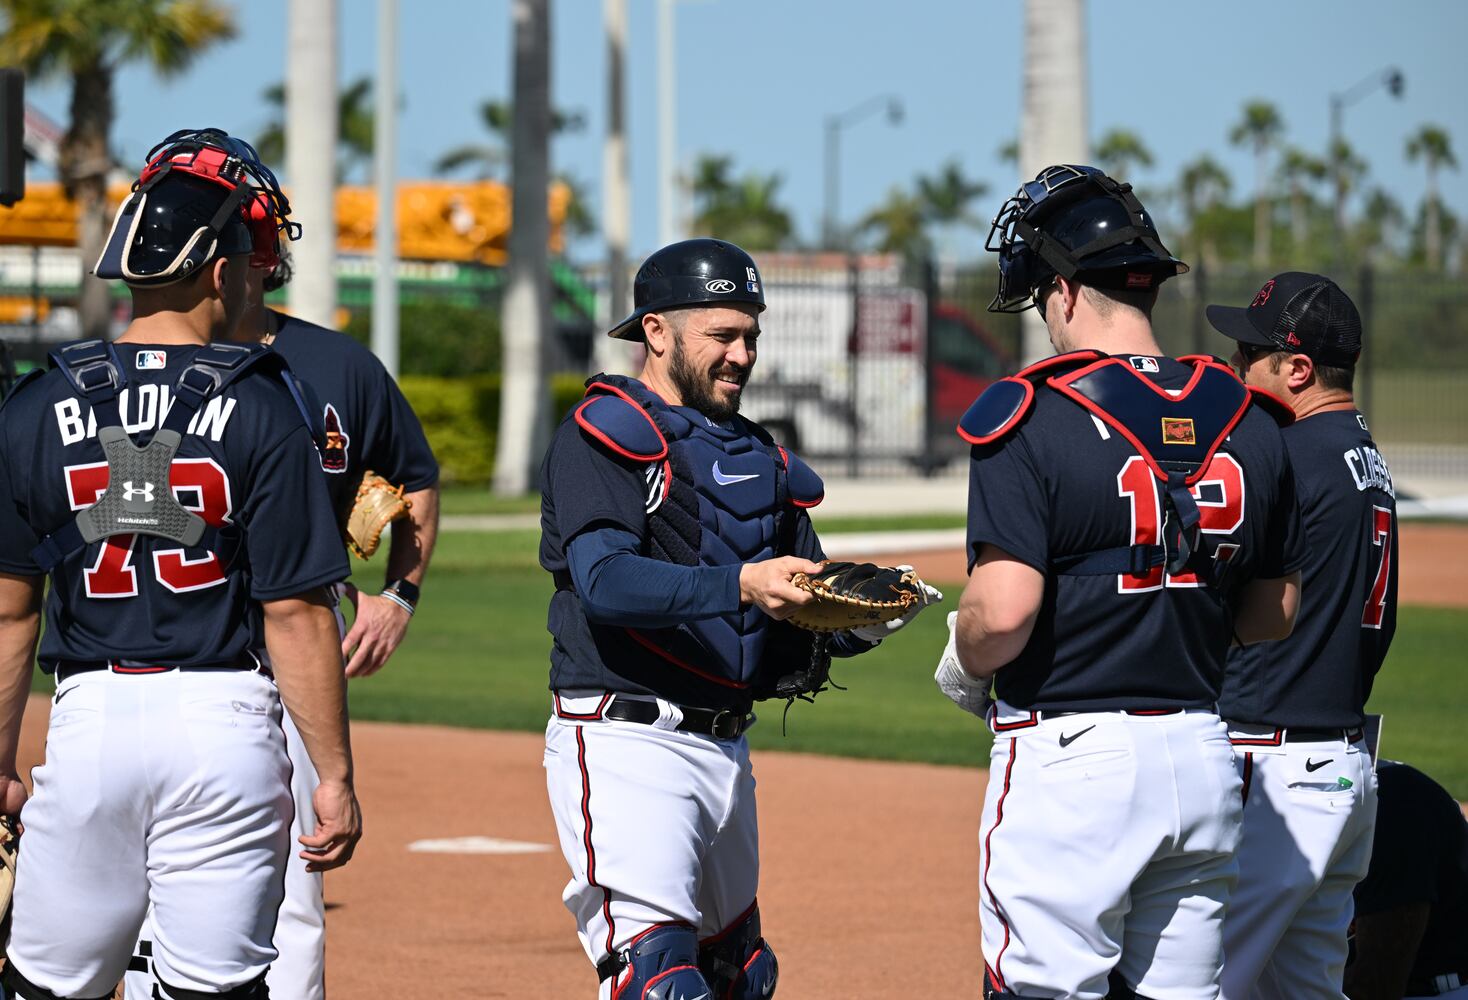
point(694, 272)
point(1076, 222)
point(203, 194)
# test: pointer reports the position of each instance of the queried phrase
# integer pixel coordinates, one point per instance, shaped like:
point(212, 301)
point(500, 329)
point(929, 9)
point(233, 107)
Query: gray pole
point(833, 155)
point(524, 427)
point(384, 155)
point(616, 194)
point(310, 151)
point(668, 228)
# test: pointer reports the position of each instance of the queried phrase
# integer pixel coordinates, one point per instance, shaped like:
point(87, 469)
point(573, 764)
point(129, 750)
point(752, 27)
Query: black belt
point(69, 668)
point(1043, 715)
point(1321, 735)
point(720, 723)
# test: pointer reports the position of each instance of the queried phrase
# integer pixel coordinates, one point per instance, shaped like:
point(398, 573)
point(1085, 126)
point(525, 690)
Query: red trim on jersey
point(1154, 711)
point(711, 678)
point(595, 716)
point(596, 432)
point(1259, 741)
point(1005, 727)
point(1248, 775)
point(606, 894)
point(731, 925)
point(989, 858)
point(1062, 384)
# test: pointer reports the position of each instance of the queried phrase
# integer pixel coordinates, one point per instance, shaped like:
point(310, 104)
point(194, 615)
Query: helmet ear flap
point(264, 232)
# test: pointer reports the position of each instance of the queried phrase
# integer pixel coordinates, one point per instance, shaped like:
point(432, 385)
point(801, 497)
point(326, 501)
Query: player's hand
point(927, 594)
point(377, 629)
point(13, 795)
point(766, 584)
point(338, 827)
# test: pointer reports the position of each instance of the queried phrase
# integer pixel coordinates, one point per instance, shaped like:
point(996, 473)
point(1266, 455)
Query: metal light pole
point(384, 154)
point(310, 155)
point(1390, 78)
point(668, 228)
point(831, 236)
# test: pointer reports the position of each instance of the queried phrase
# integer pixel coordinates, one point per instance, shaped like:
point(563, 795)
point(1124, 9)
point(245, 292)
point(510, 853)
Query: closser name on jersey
point(1369, 469)
point(143, 407)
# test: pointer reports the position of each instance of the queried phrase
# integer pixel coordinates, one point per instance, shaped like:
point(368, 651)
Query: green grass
point(476, 656)
point(479, 500)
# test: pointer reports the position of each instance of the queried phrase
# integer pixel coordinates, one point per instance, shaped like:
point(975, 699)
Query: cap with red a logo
point(1297, 312)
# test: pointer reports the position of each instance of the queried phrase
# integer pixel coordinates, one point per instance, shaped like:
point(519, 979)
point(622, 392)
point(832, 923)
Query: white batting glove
point(958, 686)
point(876, 633)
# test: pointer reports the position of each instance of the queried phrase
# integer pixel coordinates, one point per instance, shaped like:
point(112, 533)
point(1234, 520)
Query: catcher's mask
point(697, 272)
point(203, 194)
point(1075, 222)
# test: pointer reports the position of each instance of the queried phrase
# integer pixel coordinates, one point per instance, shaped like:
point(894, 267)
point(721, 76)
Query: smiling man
point(673, 527)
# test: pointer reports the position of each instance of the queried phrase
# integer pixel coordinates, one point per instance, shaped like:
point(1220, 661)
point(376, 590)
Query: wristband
point(404, 594)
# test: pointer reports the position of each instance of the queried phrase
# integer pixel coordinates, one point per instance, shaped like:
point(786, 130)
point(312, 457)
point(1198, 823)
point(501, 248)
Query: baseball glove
point(852, 595)
point(9, 848)
point(378, 504)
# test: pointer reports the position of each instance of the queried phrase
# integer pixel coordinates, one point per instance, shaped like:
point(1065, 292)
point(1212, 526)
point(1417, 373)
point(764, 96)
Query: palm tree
point(743, 210)
point(1203, 185)
point(1382, 218)
point(1299, 168)
point(1121, 150)
point(1349, 170)
point(899, 224)
point(497, 118)
point(1431, 145)
point(946, 197)
point(1008, 152)
point(1260, 128)
point(89, 41)
point(356, 124)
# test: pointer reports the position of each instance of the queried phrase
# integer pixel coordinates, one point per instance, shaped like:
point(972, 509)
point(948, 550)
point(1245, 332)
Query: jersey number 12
point(1220, 498)
point(199, 485)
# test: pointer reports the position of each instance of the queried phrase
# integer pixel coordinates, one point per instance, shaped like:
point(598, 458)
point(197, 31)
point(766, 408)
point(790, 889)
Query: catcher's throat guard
point(1177, 436)
point(139, 497)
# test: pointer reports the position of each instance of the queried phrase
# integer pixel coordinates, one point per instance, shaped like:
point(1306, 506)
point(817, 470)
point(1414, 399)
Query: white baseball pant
point(1107, 844)
point(1309, 814)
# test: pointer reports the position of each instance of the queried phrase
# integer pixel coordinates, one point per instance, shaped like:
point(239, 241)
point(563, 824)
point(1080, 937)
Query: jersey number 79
point(199, 485)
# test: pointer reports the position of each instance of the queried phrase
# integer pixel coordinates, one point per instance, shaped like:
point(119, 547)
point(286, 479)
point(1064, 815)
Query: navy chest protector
point(1176, 433)
point(717, 495)
point(139, 497)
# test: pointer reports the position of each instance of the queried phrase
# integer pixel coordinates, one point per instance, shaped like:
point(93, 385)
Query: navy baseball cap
point(1297, 312)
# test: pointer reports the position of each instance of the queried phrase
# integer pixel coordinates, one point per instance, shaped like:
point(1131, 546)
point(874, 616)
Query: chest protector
point(1176, 433)
point(717, 495)
point(139, 497)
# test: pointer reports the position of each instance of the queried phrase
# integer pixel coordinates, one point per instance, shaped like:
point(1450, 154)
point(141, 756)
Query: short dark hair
point(1106, 300)
point(1329, 376)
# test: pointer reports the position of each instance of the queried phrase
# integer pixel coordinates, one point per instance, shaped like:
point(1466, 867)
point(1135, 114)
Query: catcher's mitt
point(9, 847)
point(850, 595)
point(378, 504)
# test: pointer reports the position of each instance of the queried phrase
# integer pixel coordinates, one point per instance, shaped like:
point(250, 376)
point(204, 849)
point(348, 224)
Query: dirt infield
point(1434, 567)
point(868, 886)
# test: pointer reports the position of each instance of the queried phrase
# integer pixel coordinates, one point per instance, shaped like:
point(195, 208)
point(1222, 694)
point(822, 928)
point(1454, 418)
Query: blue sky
point(757, 78)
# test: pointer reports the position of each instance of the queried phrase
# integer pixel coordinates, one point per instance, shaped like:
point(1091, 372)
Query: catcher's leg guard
point(14, 985)
point(737, 962)
point(661, 963)
point(255, 989)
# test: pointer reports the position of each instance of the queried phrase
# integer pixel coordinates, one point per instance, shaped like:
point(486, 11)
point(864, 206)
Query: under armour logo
point(129, 492)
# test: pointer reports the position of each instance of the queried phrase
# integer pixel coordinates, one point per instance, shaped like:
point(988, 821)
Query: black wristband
point(404, 589)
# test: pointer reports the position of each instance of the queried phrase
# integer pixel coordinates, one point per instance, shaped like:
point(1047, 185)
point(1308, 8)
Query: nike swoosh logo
point(1311, 765)
point(1066, 741)
point(724, 479)
point(63, 695)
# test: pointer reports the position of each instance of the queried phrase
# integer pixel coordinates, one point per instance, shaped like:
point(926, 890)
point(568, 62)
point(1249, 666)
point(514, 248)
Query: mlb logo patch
point(1178, 430)
point(152, 360)
point(752, 286)
point(1139, 279)
point(1143, 364)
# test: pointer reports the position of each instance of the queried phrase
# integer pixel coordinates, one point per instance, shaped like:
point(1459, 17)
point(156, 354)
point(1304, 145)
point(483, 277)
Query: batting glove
point(965, 691)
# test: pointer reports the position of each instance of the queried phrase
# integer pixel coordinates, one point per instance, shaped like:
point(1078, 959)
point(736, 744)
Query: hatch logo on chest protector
point(729, 479)
point(334, 454)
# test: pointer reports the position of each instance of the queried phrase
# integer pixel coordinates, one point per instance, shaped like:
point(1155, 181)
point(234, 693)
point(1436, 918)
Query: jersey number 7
point(1220, 498)
point(199, 485)
point(1381, 534)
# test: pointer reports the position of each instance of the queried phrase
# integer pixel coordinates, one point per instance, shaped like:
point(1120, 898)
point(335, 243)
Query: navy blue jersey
point(248, 459)
point(585, 487)
point(369, 425)
point(1064, 484)
point(1321, 675)
point(1420, 855)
